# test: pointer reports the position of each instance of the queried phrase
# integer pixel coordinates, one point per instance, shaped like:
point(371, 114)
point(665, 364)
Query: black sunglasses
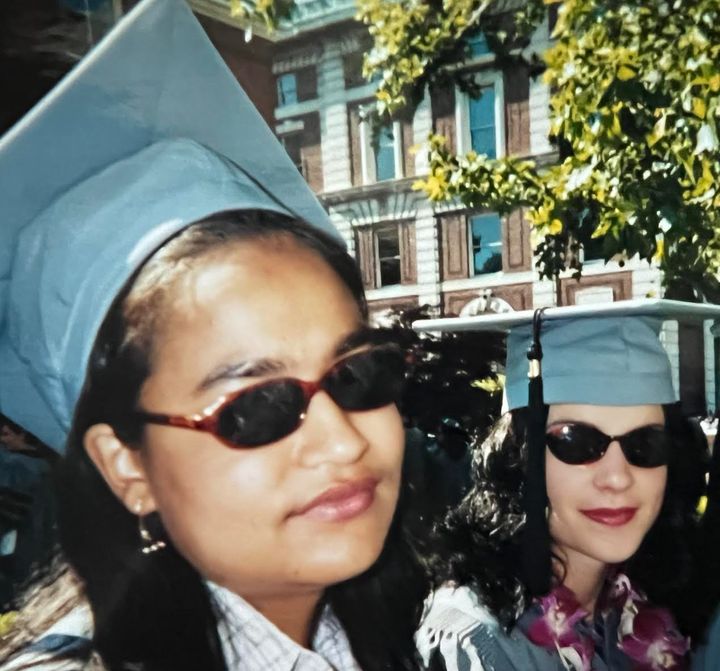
point(268, 411)
point(577, 443)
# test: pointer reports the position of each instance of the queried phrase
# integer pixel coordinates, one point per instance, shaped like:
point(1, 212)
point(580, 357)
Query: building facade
point(410, 251)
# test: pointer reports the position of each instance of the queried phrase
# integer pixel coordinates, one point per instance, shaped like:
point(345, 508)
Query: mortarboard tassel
point(536, 558)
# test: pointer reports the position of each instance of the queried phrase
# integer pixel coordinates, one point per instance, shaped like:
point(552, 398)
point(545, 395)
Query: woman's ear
point(121, 467)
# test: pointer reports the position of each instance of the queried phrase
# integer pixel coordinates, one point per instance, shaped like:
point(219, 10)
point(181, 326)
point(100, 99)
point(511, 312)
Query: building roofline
point(299, 28)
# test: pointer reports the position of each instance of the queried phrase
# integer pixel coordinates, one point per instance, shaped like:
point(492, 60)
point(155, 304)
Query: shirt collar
point(250, 641)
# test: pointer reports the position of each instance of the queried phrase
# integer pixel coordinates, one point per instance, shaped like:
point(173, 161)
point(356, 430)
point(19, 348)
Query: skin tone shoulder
point(253, 520)
point(601, 511)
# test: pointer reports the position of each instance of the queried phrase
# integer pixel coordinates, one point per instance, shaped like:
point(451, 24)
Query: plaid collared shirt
point(252, 643)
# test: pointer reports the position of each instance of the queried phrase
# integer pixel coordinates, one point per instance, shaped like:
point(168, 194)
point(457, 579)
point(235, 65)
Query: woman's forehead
point(261, 276)
point(285, 305)
point(614, 418)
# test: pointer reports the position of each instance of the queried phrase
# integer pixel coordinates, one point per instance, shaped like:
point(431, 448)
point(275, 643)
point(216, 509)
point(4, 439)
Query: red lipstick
point(341, 502)
point(611, 517)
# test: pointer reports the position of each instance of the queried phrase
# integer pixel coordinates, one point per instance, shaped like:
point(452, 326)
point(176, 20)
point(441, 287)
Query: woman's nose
point(613, 471)
point(327, 434)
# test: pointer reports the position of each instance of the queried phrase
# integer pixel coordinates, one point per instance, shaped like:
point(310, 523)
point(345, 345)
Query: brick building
point(306, 79)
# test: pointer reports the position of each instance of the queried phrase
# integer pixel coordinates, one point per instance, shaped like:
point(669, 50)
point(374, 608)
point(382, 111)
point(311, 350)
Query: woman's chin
point(328, 566)
point(612, 553)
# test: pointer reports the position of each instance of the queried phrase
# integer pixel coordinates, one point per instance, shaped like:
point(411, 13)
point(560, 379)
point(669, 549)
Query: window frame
point(393, 227)
point(367, 252)
point(281, 98)
point(471, 249)
point(368, 162)
point(294, 133)
point(294, 141)
point(484, 79)
point(476, 38)
point(352, 63)
point(306, 86)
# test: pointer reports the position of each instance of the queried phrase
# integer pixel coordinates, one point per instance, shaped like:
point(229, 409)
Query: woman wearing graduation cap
point(181, 320)
point(574, 537)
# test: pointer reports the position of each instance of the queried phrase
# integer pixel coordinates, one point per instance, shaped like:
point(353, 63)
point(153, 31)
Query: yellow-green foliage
point(635, 92)
point(267, 12)
point(413, 39)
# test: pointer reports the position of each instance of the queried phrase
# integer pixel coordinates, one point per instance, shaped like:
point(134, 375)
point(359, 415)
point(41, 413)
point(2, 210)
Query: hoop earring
point(147, 544)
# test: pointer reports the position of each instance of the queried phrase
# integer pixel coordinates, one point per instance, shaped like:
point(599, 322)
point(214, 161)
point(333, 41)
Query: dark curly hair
point(480, 538)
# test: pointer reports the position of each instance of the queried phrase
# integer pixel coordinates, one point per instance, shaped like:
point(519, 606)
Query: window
point(352, 70)
point(293, 146)
point(384, 151)
point(301, 139)
point(287, 89)
point(471, 244)
point(388, 255)
point(486, 241)
point(478, 45)
point(481, 120)
point(298, 86)
point(381, 154)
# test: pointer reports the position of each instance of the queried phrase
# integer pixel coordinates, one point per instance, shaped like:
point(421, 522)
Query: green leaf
point(636, 93)
point(625, 73)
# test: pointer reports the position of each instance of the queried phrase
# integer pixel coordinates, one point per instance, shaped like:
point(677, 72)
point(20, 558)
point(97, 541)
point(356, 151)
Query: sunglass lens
point(262, 414)
point(367, 380)
point(647, 447)
point(575, 443)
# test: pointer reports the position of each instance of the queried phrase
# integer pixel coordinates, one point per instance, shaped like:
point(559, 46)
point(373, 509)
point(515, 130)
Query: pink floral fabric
point(646, 634)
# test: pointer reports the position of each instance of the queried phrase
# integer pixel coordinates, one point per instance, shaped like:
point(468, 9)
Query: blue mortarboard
point(604, 354)
point(608, 354)
point(149, 133)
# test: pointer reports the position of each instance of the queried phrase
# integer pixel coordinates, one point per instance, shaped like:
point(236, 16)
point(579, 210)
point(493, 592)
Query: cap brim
point(503, 322)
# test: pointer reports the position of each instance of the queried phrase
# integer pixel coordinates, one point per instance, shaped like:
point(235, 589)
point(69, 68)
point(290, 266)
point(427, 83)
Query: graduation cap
point(149, 133)
point(602, 354)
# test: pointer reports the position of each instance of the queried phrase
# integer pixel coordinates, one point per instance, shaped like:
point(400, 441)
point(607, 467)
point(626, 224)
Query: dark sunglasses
point(268, 411)
point(576, 443)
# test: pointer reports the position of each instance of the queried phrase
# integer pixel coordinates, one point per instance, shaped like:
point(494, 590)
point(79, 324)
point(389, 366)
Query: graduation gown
point(457, 633)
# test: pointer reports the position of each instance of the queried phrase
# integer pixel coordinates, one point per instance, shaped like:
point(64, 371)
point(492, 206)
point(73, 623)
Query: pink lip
point(611, 517)
point(340, 503)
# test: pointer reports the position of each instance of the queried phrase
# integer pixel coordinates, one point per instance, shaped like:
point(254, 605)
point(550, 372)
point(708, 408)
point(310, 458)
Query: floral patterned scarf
point(646, 635)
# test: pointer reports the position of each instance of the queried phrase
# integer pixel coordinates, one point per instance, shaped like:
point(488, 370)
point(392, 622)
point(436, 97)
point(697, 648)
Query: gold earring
point(148, 545)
